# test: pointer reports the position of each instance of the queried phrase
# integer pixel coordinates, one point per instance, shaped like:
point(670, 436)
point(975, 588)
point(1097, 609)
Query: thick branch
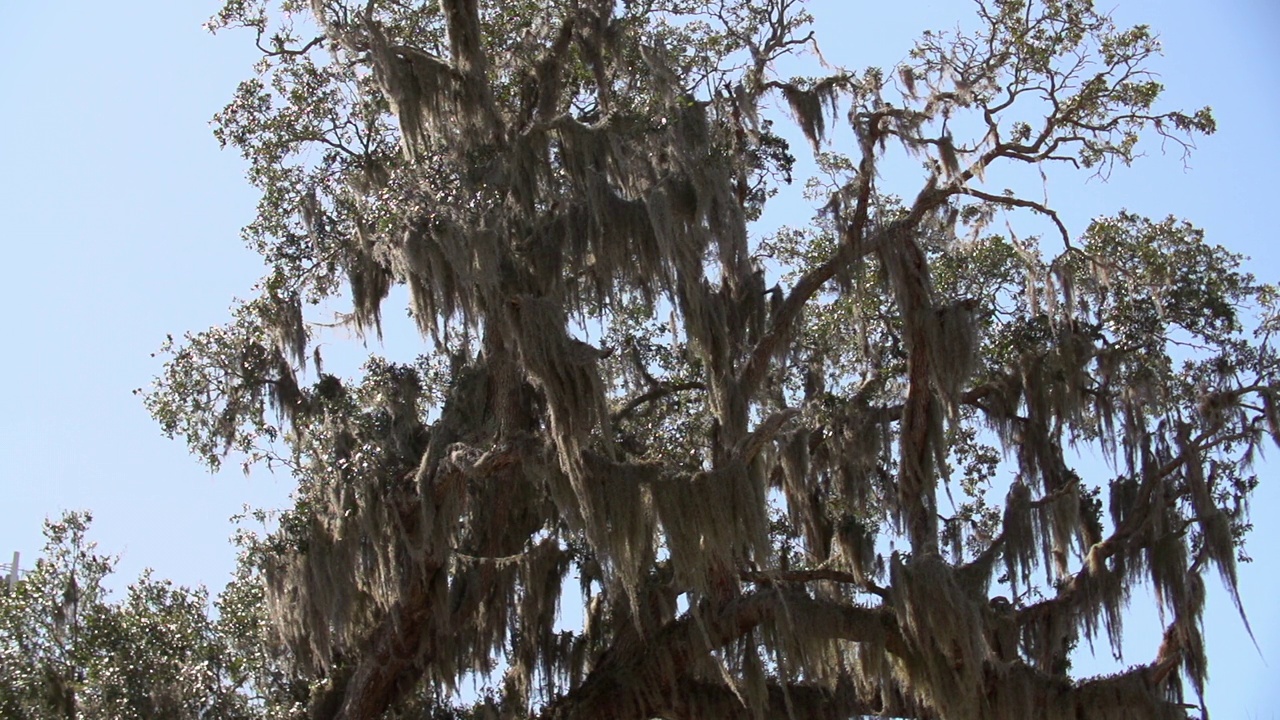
point(393, 653)
point(815, 575)
point(639, 683)
point(853, 245)
point(696, 700)
point(1073, 590)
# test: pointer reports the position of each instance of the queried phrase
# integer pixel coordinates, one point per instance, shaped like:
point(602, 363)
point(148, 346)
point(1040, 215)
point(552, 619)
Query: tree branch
point(637, 685)
point(654, 395)
point(1010, 201)
point(699, 700)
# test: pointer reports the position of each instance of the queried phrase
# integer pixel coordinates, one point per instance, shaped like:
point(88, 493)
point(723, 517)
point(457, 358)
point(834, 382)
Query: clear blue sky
point(121, 219)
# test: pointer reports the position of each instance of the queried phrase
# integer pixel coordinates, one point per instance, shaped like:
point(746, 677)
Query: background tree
point(46, 624)
point(743, 478)
point(67, 651)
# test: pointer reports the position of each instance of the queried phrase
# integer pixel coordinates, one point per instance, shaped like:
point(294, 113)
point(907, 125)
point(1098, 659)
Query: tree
point(728, 462)
point(46, 624)
point(66, 651)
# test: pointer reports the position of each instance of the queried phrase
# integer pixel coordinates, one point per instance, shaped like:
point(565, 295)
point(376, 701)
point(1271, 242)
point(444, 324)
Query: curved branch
point(696, 700)
point(654, 395)
point(282, 51)
point(638, 684)
point(788, 313)
point(1074, 590)
point(1010, 201)
point(815, 575)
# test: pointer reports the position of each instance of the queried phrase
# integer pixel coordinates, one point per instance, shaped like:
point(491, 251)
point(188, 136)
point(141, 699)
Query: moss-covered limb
point(653, 678)
point(921, 426)
point(399, 643)
point(1148, 690)
point(433, 614)
point(854, 244)
point(638, 683)
point(977, 572)
point(542, 99)
point(850, 208)
point(368, 621)
point(983, 675)
point(462, 21)
point(694, 699)
point(934, 378)
point(816, 575)
point(656, 678)
point(1019, 690)
point(398, 647)
point(784, 319)
point(1147, 544)
point(1077, 589)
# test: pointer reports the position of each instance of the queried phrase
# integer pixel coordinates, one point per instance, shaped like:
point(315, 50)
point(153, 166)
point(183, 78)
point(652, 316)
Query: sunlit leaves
point(67, 649)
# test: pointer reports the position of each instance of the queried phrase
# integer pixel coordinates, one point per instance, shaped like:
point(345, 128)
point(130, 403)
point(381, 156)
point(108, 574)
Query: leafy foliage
point(67, 651)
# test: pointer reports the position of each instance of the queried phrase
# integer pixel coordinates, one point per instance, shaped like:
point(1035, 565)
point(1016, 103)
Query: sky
point(121, 225)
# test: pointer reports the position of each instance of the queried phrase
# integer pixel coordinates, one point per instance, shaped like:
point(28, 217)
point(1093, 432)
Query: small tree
point(724, 469)
point(46, 625)
point(66, 651)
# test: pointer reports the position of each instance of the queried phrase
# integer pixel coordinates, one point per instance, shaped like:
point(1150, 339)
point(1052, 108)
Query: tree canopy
point(67, 651)
point(734, 442)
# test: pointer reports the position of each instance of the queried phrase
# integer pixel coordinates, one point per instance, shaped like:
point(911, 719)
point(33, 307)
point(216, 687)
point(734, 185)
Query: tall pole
point(13, 571)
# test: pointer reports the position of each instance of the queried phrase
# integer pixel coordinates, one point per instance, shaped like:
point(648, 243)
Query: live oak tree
point(777, 466)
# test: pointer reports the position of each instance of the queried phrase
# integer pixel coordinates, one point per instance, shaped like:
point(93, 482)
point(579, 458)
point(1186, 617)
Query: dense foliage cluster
point(68, 651)
point(734, 443)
